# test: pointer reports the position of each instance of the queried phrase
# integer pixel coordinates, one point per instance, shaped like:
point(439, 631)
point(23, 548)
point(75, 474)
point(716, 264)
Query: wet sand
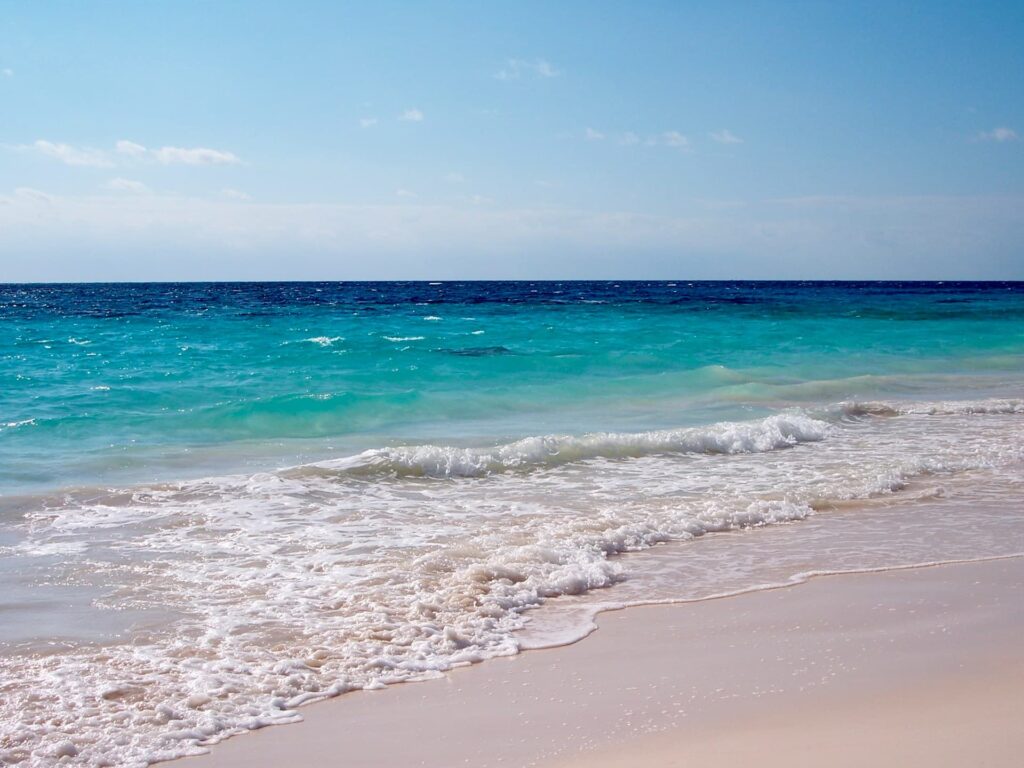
point(900, 668)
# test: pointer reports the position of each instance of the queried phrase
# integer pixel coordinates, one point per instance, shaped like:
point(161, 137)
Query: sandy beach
point(511, 385)
point(909, 667)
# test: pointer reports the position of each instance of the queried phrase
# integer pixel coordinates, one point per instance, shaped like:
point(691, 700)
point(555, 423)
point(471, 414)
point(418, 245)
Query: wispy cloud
point(412, 115)
point(234, 194)
point(454, 177)
point(128, 150)
point(515, 69)
point(178, 155)
point(82, 156)
point(33, 195)
point(193, 156)
point(7, 72)
point(675, 139)
point(1000, 134)
point(407, 193)
point(127, 185)
point(725, 136)
point(366, 122)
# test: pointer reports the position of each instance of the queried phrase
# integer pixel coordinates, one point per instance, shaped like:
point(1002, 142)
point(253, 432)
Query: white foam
point(769, 434)
point(292, 586)
point(325, 341)
point(946, 408)
point(16, 424)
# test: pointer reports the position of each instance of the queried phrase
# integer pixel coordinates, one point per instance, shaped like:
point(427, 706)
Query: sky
point(449, 140)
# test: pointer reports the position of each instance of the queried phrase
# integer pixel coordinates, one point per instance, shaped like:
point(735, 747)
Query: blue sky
point(471, 140)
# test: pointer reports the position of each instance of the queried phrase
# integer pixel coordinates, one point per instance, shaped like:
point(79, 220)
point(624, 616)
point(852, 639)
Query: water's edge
point(593, 624)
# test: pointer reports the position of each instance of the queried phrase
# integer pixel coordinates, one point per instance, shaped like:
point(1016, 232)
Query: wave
point(772, 433)
point(290, 587)
point(944, 408)
point(16, 424)
point(769, 434)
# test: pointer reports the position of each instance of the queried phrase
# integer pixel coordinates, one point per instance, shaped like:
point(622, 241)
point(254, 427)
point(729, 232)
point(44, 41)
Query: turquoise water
point(221, 502)
point(112, 383)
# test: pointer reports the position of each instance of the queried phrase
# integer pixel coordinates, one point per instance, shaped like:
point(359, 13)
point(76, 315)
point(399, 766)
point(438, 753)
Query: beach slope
point(919, 666)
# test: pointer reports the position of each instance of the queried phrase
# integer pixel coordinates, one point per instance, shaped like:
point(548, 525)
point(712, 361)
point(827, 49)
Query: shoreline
point(704, 672)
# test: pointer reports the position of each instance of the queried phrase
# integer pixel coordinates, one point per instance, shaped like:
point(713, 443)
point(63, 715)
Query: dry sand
point(901, 668)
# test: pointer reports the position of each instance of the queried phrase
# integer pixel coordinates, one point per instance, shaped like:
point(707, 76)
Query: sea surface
point(219, 502)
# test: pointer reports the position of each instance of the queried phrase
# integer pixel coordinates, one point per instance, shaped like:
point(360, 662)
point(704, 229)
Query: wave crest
point(445, 461)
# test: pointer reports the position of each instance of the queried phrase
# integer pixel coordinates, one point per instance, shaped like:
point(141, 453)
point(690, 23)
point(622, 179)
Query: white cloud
point(631, 139)
point(234, 194)
point(725, 136)
point(675, 139)
point(194, 156)
point(514, 69)
point(82, 156)
point(543, 69)
point(33, 195)
point(95, 158)
point(7, 72)
point(1000, 134)
point(411, 115)
point(591, 135)
point(178, 155)
point(130, 148)
point(366, 122)
point(405, 193)
point(127, 185)
point(454, 178)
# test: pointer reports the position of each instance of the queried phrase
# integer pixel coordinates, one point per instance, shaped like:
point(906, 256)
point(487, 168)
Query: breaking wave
point(769, 434)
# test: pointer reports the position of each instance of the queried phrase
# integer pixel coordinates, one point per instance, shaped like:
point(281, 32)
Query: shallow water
point(223, 501)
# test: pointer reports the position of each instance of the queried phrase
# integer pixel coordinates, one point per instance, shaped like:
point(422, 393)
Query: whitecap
point(324, 341)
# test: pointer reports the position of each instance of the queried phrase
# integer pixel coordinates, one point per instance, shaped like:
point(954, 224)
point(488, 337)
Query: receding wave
point(946, 408)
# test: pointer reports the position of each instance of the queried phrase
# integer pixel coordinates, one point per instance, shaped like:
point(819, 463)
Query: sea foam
point(769, 434)
point(282, 588)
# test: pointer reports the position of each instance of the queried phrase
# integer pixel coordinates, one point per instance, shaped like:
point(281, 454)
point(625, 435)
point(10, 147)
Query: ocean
point(219, 502)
